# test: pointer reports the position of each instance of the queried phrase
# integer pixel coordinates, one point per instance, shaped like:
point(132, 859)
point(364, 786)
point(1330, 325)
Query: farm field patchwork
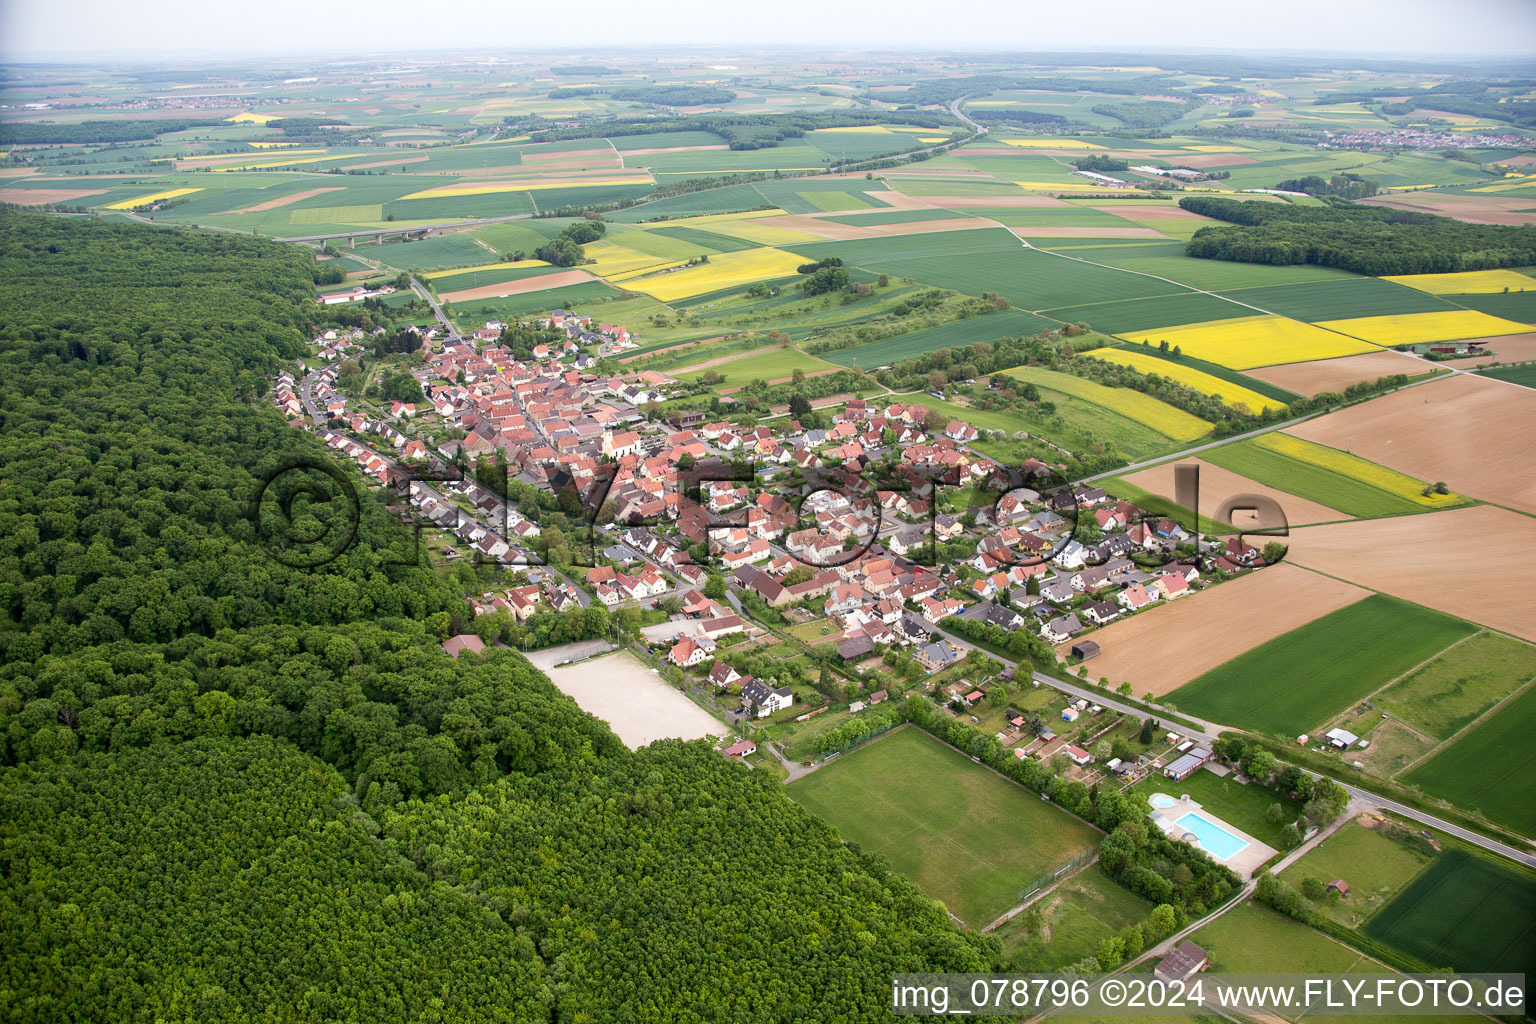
point(531, 281)
point(1355, 468)
point(1162, 648)
point(1465, 430)
point(1160, 416)
point(1231, 394)
point(1413, 328)
point(1449, 693)
point(727, 270)
point(1245, 342)
point(964, 834)
point(1217, 484)
point(1465, 912)
point(1310, 377)
point(1291, 683)
point(1011, 323)
point(1351, 496)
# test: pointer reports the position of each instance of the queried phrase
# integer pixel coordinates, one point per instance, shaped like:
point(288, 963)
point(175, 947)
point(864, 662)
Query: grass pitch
point(966, 835)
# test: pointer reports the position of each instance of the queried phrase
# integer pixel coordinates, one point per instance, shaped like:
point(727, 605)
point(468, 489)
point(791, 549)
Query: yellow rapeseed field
point(287, 160)
point(727, 270)
point(1467, 282)
point(1057, 186)
point(532, 185)
point(1415, 328)
point(1052, 144)
point(153, 197)
point(250, 118)
point(510, 265)
point(1367, 472)
point(612, 259)
point(1251, 341)
point(1160, 416)
point(1231, 394)
point(752, 226)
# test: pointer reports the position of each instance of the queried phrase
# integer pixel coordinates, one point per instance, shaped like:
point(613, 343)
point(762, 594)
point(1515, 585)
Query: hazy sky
point(134, 28)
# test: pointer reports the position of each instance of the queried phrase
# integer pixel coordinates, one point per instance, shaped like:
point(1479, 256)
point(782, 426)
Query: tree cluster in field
point(1343, 185)
point(1102, 164)
point(1321, 798)
point(564, 250)
point(1373, 240)
point(1022, 117)
point(19, 133)
point(1165, 870)
point(215, 765)
point(1149, 113)
point(661, 95)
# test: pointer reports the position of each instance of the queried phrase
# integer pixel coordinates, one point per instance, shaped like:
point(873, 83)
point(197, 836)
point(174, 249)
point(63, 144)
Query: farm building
point(1341, 739)
point(1084, 649)
point(1185, 960)
point(1187, 764)
point(1339, 886)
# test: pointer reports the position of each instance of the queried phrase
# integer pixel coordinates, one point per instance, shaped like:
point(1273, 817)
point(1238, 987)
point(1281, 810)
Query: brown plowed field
point(527, 284)
point(1316, 375)
point(1464, 561)
point(1162, 648)
point(1471, 432)
point(1218, 484)
point(1472, 209)
point(42, 196)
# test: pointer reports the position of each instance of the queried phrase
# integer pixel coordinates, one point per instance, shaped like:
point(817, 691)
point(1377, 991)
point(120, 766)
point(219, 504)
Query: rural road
point(424, 292)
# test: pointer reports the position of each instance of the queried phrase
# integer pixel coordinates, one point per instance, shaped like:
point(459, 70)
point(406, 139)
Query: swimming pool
point(1161, 800)
point(1214, 839)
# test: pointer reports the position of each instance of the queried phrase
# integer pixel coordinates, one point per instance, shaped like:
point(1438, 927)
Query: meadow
point(1082, 425)
point(1377, 867)
point(1290, 684)
point(1254, 939)
point(1467, 913)
point(1451, 692)
point(963, 833)
point(1490, 769)
point(766, 363)
point(1127, 316)
point(1078, 915)
point(1159, 416)
point(1525, 376)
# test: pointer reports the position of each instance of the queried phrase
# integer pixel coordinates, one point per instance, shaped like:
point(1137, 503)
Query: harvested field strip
point(531, 185)
point(1397, 484)
point(1294, 682)
point(153, 197)
point(1246, 342)
point(515, 265)
point(1161, 417)
point(1231, 394)
point(527, 284)
point(1162, 648)
point(273, 204)
point(1311, 376)
point(1414, 328)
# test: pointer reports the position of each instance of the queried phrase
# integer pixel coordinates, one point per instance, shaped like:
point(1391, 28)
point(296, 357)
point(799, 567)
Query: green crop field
point(1518, 306)
point(1376, 866)
point(708, 240)
point(1324, 486)
point(488, 204)
point(1525, 376)
point(1080, 913)
point(764, 363)
point(536, 302)
point(1446, 695)
point(1340, 299)
point(1490, 769)
point(963, 833)
point(479, 278)
point(1141, 314)
point(1214, 275)
point(1465, 912)
point(441, 252)
point(896, 217)
point(1291, 683)
point(1008, 323)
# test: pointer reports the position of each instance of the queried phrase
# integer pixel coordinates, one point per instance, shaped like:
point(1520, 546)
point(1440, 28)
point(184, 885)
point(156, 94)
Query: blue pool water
point(1161, 800)
point(1214, 839)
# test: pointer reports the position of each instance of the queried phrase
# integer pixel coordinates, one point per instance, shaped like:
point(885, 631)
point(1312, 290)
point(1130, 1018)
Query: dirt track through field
point(1470, 562)
point(1162, 648)
point(537, 283)
point(273, 204)
point(1218, 484)
point(1316, 375)
point(1471, 432)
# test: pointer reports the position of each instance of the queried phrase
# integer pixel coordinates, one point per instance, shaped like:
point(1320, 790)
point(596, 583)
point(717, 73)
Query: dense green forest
point(1373, 240)
point(130, 130)
point(235, 790)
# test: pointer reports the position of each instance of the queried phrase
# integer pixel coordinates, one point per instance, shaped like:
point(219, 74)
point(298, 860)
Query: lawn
point(1291, 683)
point(1008, 323)
point(1324, 486)
point(1466, 912)
point(1490, 769)
point(1446, 695)
point(1376, 867)
point(1254, 939)
point(1246, 807)
point(1079, 914)
point(963, 833)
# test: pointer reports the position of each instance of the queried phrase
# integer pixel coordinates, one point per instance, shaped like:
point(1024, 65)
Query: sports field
point(1290, 684)
point(1490, 769)
point(1465, 912)
point(1450, 692)
point(963, 833)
